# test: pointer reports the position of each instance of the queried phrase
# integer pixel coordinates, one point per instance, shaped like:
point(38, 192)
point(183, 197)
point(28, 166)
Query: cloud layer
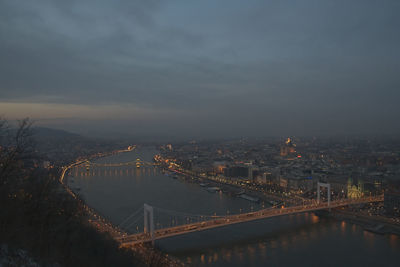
point(211, 67)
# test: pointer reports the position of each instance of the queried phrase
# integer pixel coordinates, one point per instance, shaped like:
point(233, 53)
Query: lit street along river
point(296, 240)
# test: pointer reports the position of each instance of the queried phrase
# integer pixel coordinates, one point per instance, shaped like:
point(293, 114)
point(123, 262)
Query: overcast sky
point(202, 68)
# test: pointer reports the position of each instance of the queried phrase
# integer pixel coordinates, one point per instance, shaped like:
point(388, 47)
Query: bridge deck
point(237, 218)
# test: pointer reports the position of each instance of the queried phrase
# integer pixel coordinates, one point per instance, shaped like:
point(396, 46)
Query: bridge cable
point(129, 217)
point(172, 212)
point(133, 223)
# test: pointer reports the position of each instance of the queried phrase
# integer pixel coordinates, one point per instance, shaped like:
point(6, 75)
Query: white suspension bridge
point(182, 223)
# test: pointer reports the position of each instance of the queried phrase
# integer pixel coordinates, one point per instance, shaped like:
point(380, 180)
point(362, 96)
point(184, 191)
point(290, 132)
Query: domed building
point(353, 190)
point(288, 148)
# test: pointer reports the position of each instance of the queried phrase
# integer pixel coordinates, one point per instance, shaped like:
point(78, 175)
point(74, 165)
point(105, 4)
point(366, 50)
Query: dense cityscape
point(289, 168)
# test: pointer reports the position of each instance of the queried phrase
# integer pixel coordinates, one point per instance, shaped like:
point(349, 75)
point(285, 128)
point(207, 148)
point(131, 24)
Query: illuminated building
point(355, 191)
point(288, 148)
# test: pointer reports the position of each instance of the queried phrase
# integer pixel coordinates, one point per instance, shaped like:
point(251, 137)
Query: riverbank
point(369, 223)
point(149, 255)
point(232, 190)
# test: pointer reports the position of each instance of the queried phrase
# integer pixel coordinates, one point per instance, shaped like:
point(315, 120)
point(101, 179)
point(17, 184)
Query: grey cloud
point(234, 65)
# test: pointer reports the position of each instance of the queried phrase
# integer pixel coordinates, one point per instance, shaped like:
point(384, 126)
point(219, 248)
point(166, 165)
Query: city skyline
point(206, 69)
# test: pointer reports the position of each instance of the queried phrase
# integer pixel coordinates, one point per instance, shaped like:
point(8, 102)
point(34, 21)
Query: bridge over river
point(204, 222)
point(195, 222)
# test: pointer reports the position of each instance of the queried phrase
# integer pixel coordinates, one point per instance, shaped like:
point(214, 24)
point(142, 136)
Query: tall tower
point(288, 148)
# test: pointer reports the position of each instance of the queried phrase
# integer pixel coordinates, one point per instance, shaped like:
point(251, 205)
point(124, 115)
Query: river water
point(296, 240)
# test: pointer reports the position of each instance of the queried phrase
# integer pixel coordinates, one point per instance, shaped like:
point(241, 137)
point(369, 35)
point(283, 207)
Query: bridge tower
point(328, 186)
point(149, 221)
point(138, 163)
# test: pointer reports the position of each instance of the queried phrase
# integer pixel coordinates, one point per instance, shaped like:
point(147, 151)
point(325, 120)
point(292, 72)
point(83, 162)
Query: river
point(301, 240)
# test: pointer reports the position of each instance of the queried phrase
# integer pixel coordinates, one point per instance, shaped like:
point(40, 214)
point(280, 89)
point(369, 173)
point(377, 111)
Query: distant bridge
point(137, 163)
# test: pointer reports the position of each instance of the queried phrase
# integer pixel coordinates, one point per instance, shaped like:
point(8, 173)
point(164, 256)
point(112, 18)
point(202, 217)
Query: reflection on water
point(394, 242)
point(343, 227)
point(295, 240)
point(314, 218)
point(369, 238)
point(290, 248)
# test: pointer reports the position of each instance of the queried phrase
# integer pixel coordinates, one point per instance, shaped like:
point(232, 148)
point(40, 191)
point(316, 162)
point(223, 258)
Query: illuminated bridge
point(183, 223)
point(137, 163)
point(194, 222)
point(88, 168)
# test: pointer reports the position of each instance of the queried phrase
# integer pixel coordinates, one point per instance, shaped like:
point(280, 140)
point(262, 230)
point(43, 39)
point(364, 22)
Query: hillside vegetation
point(37, 215)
